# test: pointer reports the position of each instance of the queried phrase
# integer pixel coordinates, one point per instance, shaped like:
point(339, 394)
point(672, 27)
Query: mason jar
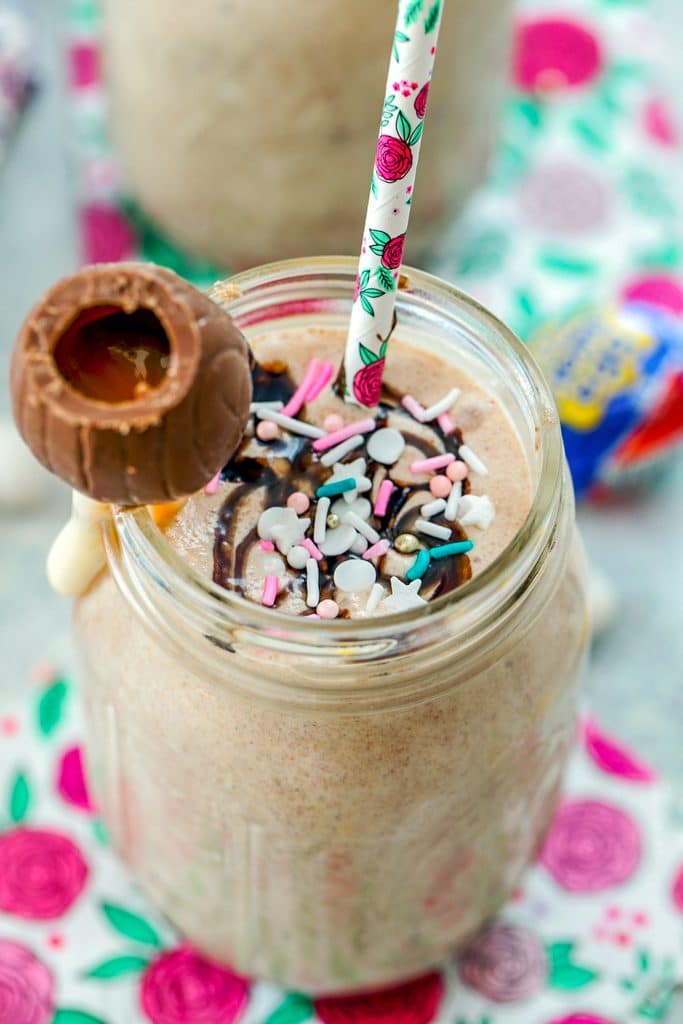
point(246, 128)
point(336, 805)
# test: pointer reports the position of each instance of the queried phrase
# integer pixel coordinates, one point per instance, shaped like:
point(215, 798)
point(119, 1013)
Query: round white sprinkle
point(354, 575)
point(359, 546)
point(339, 540)
point(297, 557)
point(361, 507)
point(386, 446)
point(268, 519)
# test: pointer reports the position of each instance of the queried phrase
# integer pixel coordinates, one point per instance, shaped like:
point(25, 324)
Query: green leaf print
point(373, 185)
point(647, 195)
point(76, 1017)
point(403, 126)
point(563, 263)
point(413, 11)
point(386, 279)
point(295, 1009)
point(483, 253)
point(51, 707)
point(590, 134)
point(131, 925)
point(367, 355)
point(19, 799)
point(530, 111)
point(417, 134)
point(380, 236)
point(373, 293)
point(563, 973)
point(667, 256)
point(366, 305)
point(399, 37)
point(364, 279)
point(432, 17)
point(117, 967)
point(388, 110)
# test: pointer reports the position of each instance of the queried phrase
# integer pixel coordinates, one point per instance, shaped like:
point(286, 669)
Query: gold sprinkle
point(333, 520)
point(406, 543)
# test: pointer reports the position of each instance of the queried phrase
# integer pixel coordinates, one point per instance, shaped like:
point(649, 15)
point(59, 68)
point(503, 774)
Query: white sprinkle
point(312, 583)
point(433, 529)
point(354, 575)
point(476, 510)
point(376, 595)
point(290, 424)
point(335, 454)
point(361, 506)
point(451, 511)
point(271, 517)
point(443, 405)
point(289, 533)
point(297, 557)
point(472, 459)
point(265, 405)
point(339, 540)
point(320, 524)
point(433, 508)
point(404, 596)
point(359, 546)
point(363, 528)
point(386, 446)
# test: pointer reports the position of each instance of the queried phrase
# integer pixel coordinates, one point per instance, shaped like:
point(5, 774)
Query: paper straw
point(391, 196)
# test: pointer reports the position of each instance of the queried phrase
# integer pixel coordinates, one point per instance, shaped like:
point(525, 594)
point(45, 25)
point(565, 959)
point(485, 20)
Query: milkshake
point(330, 769)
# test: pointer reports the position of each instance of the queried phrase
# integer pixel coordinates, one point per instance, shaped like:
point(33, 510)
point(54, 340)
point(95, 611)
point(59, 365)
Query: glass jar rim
point(477, 601)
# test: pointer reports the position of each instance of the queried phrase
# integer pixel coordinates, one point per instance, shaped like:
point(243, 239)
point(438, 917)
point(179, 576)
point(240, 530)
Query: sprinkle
point(472, 460)
point(255, 406)
point(321, 381)
point(333, 520)
point(419, 566)
point(376, 595)
point(458, 547)
point(359, 546)
point(268, 431)
point(377, 550)
point(337, 436)
point(212, 486)
point(440, 486)
point(433, 529)
point(298, 556)
point(355, 469)
point(413, 407)
point(354, 575)
point(443, 405)
point(271, 517)
point(431, 465)
point(336, 487)
point(451, 511)
point(338, 541)
point(386, 446)
point(404, 596)
point(299, 397)
point(289, 531)
point(363, 527)
point(299, 501)
point(432, 508)
point(294, 426)
point(333, 422)
point(313, 551)
point(266, 545)
point(328, 609)
point(406, 543)
point(476, 510)
point(320, 521)
point(339, 451)
point(361, 506)
point(457, 471)
point(446, 423)
point(271, 585)
point(312, 583)
point(386, 489)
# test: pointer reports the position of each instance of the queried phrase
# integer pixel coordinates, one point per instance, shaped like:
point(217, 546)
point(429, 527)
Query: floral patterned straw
point(391, 194)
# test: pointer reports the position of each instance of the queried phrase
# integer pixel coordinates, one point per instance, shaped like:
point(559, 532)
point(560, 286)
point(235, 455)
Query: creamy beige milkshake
point(334, 788)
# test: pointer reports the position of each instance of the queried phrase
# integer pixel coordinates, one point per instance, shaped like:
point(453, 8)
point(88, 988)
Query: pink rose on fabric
point(182, 987)
point(394, 158)
point(41, 873)
point(555, 53)
point(581, 1018)
point(612, 758)
point(71, 781)
point(393, 252)
point(421, 101)
point(367, 383)
point(677, 890)
point(106, 235)
point(661, 290)
point(26, 989)
point(591, 846)
point(415, 1002)
point(659, 122)
point(505, 964)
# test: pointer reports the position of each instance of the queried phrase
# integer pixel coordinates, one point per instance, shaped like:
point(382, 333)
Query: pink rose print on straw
point(367, 383)
point(555, 53)
point(421, 101)
point(415, 1002)
point(26, 987)
point(581, 1018)
point(182, 987)
point(505, 964)
point(612, 758)
point(71, 781)
point(394, 158)
point(41, 873)
point(591, 846)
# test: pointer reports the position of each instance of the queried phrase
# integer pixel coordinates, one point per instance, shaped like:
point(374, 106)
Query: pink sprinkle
point(377, 550)
point(413, 407)
point(328, 609)
point(267, 431)
point(299, 501)
point(299, 397)
point(386, 489)
point(337, 436)
point(320, 382)
point(312, 616)
point(333, 422)
point(431, 465)
point(313, 551)
point(266, 545)
point(271, 585)
point(212, 486)
point(457, 471)
point(446, 423)
point(440, 486)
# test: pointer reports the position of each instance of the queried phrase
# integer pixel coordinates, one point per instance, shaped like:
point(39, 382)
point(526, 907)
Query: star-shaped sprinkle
point(356, 470)
point(404, 595)
point(476, 510)
point(289, 530)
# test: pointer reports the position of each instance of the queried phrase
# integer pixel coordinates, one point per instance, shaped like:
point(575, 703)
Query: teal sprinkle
point(458, 547)
point(419, 566)
point(338, 487)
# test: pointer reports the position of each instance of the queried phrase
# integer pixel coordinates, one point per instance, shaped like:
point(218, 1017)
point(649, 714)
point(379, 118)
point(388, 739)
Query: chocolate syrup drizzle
point(290, 464)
